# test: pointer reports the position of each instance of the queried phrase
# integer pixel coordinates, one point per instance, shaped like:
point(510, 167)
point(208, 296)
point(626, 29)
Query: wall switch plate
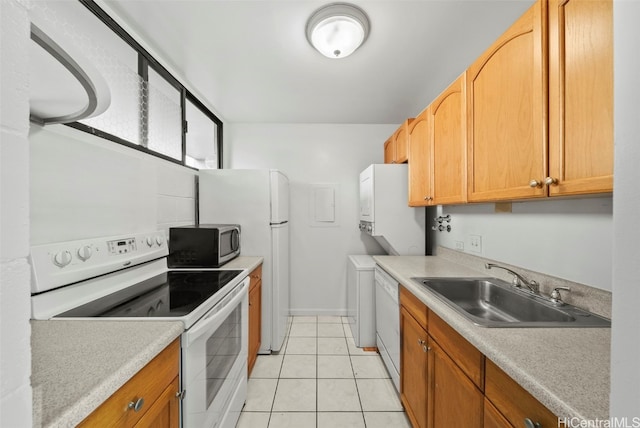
point(460, 245)
point(476, 243)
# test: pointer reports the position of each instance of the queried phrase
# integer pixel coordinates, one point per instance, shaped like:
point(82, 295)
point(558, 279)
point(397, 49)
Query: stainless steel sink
point(491, 302)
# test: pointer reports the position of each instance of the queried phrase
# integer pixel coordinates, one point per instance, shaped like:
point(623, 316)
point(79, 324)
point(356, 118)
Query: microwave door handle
point(218, 313)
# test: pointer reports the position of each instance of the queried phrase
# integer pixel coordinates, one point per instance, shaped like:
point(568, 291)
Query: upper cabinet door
point(420, 177)
point(390, 151)
point(447, 115)
point(580, 96)
point(396, 148)
point(402, 142)
point(506, 105)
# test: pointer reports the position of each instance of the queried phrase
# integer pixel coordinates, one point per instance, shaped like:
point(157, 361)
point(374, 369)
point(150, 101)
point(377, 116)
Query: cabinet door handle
point(137, 405)
point(528, 423)
point(549, 181)
point(535, 183)
point(181, 394)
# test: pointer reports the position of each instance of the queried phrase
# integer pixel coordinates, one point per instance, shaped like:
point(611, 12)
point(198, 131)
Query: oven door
point(214, 363)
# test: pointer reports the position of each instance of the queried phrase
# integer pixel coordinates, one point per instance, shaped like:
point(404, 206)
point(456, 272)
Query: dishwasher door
point(388, 323)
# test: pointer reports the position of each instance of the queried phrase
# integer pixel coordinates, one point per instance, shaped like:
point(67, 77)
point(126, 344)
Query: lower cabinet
point(149, 399)
point(413, 359)
point(493, 418)
point(255, 316)
point(514, 402)
point(165, 412)
point(446, 382)
point(455, 399)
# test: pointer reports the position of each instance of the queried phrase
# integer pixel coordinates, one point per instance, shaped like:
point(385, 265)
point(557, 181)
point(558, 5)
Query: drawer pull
point(137, 405)
point(528, 423)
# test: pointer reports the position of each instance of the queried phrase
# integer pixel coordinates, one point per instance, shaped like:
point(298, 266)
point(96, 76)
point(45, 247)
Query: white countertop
point(566, 369)
point(77, 365)
point(244, 262)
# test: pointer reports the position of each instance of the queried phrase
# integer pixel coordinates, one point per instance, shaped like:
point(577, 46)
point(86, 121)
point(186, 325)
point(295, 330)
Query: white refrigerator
point(257, 200)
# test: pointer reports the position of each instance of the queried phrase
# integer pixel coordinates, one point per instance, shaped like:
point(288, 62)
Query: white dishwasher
point(361, 296)
point(388, 323)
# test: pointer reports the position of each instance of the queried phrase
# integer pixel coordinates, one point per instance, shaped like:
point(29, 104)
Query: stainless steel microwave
point(203, 246)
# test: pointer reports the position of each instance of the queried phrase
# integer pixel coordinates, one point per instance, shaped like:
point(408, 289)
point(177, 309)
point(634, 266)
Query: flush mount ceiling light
point(338, 29)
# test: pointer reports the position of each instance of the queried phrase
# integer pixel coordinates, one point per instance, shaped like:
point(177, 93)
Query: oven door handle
point(218, 313)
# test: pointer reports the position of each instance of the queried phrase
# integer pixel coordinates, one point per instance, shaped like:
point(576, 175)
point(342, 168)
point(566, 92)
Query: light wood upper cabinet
point(402, 142)
point(437, 150)
point(420, 162)
point(448, 118)
point(506, 106)
point(580, 96)
point(396, 147)
point(389, 150)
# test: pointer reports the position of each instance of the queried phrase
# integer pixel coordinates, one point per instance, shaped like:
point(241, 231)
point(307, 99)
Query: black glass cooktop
point(171, 294)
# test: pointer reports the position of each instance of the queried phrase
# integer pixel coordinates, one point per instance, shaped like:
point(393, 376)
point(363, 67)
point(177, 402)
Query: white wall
point(15, 332)
point(625, 341)
point(85, 187)
point(312, 154)
point(570, 239)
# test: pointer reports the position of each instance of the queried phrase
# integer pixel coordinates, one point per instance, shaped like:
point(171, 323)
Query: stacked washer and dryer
point(372, 294)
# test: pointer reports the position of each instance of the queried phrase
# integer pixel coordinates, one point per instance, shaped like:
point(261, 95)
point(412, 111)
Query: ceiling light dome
point(338, 29)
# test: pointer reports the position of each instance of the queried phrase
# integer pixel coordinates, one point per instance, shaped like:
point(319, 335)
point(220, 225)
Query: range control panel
point(121, 246)
point(58, 264)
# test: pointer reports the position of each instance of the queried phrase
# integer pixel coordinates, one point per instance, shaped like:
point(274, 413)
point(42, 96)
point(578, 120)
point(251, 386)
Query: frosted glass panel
point(112, 56)
point(165, 117)
point(202, 138)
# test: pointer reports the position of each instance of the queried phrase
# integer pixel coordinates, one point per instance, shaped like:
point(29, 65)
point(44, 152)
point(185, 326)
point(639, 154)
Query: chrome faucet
point(518, 280)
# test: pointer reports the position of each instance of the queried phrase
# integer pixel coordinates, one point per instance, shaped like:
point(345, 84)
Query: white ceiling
point(250, 60)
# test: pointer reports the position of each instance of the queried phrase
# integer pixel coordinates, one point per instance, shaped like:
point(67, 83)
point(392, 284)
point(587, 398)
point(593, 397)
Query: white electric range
point(127, 278)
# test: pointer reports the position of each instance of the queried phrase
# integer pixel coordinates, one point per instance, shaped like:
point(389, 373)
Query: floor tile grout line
point(317, 356)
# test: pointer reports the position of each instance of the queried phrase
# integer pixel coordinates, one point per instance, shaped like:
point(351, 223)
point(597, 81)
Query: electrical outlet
point(476, 243)
point(460, 245)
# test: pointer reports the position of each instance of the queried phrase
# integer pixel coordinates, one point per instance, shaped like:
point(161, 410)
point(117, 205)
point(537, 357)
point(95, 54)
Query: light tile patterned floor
point(320, 379)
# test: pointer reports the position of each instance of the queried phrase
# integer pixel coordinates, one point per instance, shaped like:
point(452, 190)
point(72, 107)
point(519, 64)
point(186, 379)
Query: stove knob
point(149, 241)
point(159, 240)
point(84, 253)
point(62, 258)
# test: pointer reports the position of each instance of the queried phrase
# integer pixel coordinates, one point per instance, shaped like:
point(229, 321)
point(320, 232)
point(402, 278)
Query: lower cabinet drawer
point(493, 418)
point(467, 356)
point(140, 392)
point(513, 401)
point(414, 306)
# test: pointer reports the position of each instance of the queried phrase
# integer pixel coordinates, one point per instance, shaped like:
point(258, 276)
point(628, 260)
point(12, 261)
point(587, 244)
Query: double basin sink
point(491, 302)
